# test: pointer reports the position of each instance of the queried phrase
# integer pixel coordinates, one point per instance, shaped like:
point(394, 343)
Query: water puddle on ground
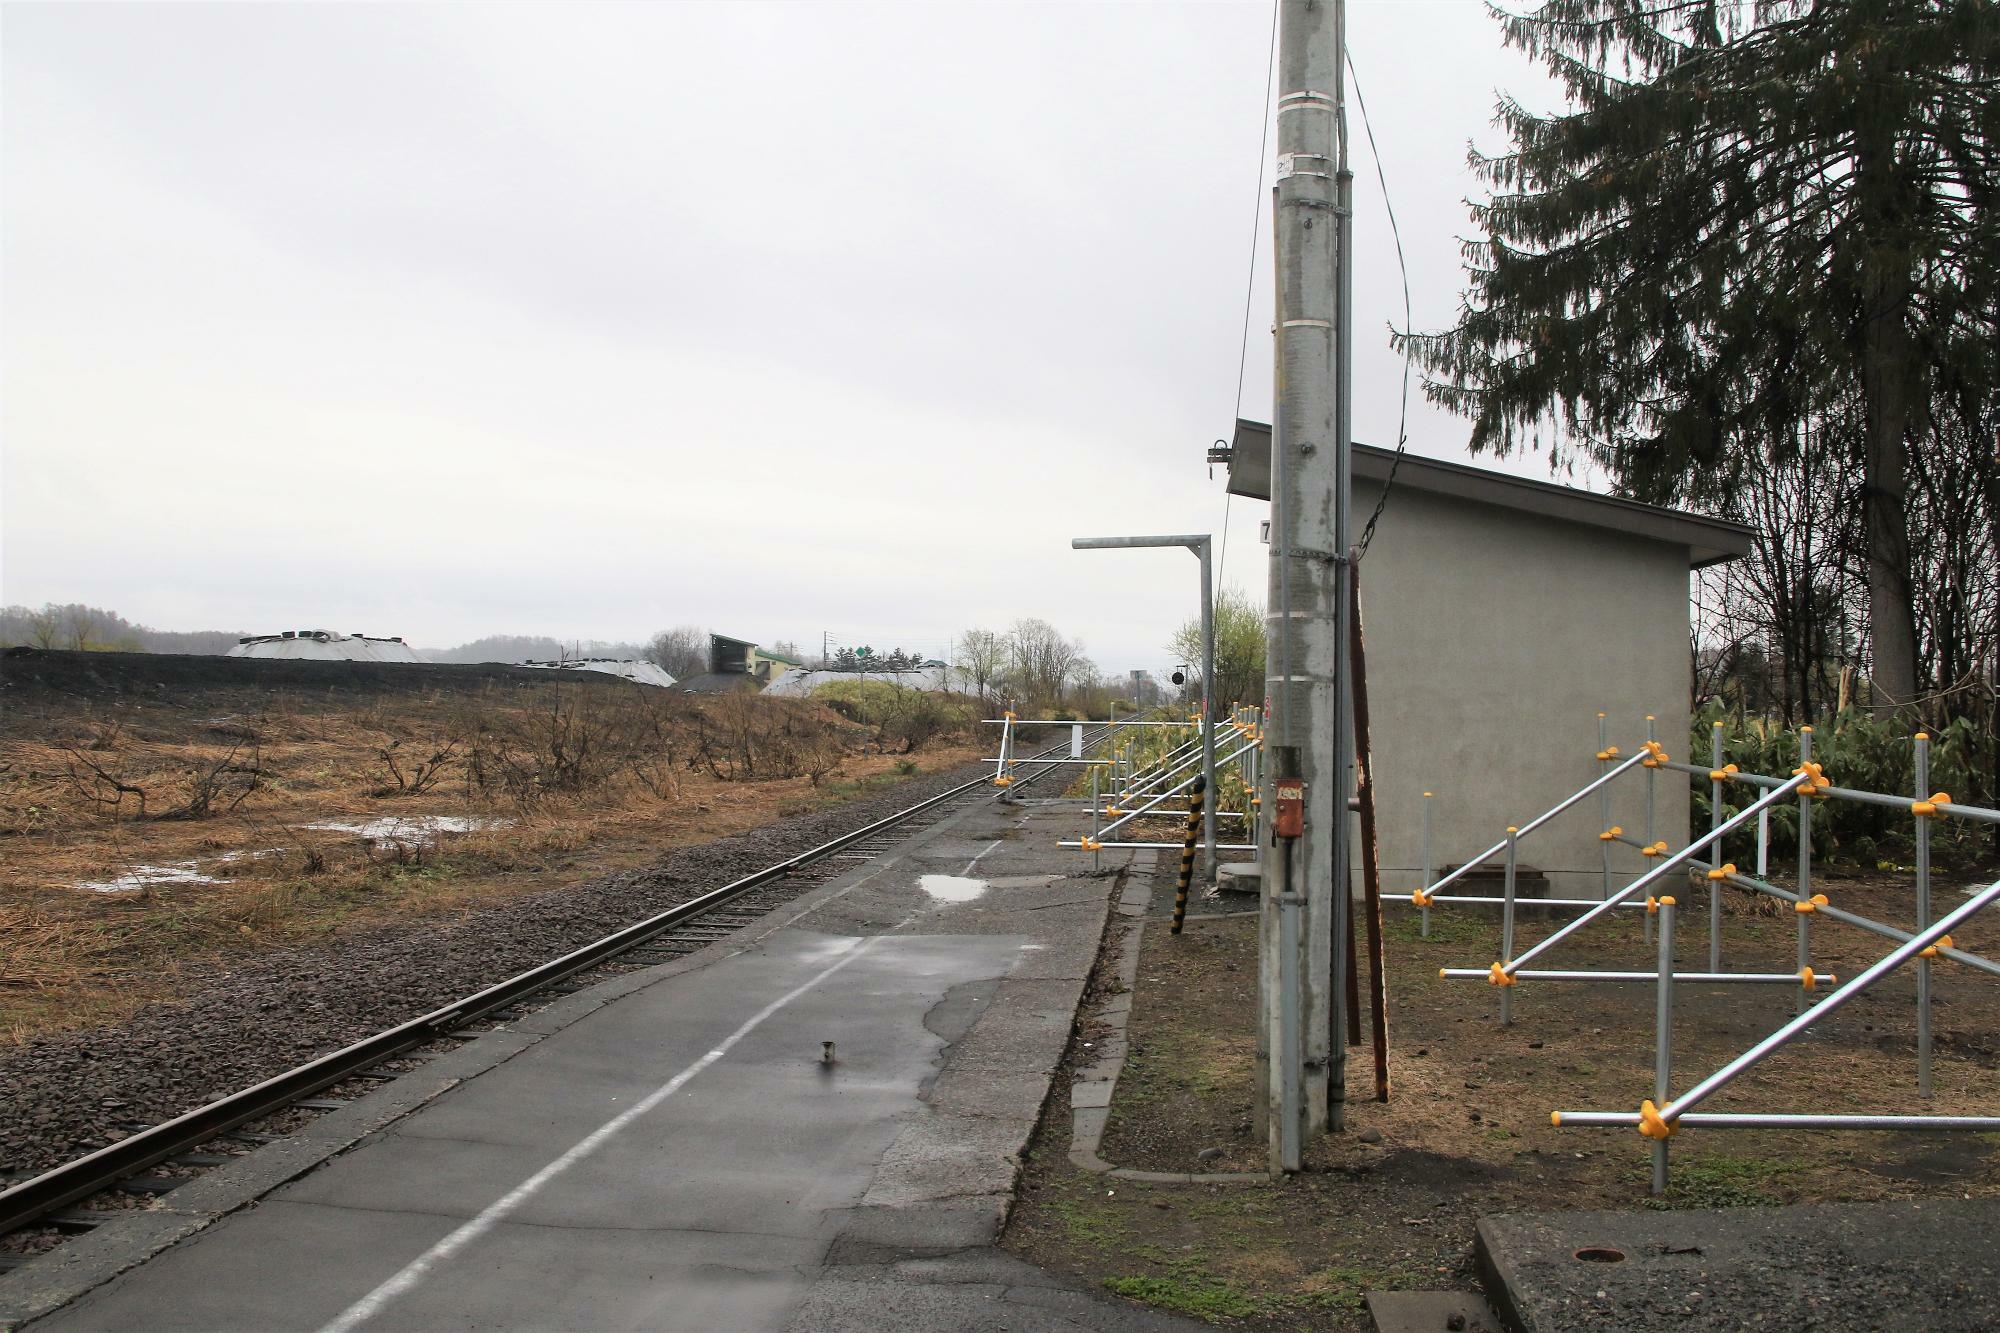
point(146, 877)
point(141, 877)
point(408, 830)
point(402, 830)
point(952, 888)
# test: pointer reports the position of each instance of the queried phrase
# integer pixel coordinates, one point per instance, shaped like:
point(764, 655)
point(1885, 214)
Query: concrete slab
point(90, 1261)
point(981, 1291)
point(1240, 877)
point(1091, 1093)
point(669, 1150)
point(1926, 1264)
point(1431, 1312)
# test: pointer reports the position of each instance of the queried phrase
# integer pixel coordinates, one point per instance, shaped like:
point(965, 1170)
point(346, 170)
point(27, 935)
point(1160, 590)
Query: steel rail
point(60, 1186)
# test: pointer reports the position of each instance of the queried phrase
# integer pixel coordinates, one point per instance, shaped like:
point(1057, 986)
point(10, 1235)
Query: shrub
point(901, 716)
point(1855, 751)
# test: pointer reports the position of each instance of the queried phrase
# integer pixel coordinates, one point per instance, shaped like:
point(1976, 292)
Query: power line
point(1250, 280)
point(1403, 421)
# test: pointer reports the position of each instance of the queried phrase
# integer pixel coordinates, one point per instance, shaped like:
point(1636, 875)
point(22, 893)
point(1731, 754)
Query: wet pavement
point(814, 1124)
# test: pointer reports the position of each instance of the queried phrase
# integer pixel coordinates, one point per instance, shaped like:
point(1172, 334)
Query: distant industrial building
point(324, 645)
point(637, 670)
point(767, 666)
point(738, 664)
point(740, 657)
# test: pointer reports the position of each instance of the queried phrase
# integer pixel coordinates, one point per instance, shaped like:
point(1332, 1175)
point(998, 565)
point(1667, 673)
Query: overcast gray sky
point(587, 319)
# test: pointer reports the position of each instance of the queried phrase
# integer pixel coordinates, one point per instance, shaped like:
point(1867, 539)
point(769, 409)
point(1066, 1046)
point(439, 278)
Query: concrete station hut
point(1501, 616)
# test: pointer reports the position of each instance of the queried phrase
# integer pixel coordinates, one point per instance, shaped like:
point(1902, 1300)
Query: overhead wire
point(1250, 280)
point(1403, 420)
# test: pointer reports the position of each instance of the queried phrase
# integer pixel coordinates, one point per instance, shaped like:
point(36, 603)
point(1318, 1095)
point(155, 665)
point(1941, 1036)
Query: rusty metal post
point(1371, 860)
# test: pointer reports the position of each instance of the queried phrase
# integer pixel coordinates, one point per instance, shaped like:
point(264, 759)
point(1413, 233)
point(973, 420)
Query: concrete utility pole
point(1306, 627)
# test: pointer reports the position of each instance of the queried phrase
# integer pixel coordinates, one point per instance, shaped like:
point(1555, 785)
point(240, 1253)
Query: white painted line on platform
point(982, 856)
point(419, 1268)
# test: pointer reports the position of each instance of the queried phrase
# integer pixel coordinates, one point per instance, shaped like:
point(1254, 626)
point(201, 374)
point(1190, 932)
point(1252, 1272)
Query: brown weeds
point(578, 780)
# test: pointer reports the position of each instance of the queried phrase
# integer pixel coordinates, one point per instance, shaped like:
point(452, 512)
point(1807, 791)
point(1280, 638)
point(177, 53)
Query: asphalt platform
point(673, 1149)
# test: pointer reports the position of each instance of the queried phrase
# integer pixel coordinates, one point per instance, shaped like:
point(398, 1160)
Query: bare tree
point(982, 656)
point(680, 652)
point(1721, 640)
point(1955, 546)
point(1790, 619)
point(1043, 659)
point(45, 626)
point(79, 626)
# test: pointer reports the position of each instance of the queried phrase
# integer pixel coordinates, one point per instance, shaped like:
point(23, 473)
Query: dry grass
point(1467, 1133)
point(566, 782)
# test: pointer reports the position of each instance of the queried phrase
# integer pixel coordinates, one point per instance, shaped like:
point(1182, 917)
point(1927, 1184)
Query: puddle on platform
point(408, 830)
point(952, 888)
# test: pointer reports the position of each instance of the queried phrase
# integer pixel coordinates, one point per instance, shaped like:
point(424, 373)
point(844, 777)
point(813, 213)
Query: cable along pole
point(1307, 607)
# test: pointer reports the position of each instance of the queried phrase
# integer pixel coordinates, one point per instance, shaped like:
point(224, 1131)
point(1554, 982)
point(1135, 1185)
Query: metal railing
point(1123, 790)
point(1659, 1116)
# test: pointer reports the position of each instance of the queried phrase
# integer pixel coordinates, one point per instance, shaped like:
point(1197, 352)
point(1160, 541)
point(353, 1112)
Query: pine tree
point(1751, 216)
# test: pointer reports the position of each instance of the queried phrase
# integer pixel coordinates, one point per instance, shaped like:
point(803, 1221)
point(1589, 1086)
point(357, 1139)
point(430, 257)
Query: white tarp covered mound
point(323, 645)
point(633, 669)
point(797, 684)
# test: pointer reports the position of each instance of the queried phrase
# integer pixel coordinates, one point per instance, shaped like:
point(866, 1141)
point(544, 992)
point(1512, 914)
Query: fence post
point(1663, 1036)
point(1715, 856)
point(1507, 925)
point(1604, 762)
point(1094, 867)
point(1424, 902)
point(1652, 789)
point(1923, 776)
point(1804, 905)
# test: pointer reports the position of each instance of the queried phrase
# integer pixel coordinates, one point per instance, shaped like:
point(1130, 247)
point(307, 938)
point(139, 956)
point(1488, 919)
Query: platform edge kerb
point(1493, 1278)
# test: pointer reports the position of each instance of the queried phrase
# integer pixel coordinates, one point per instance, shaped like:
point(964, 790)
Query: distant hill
point(529, 647)
point(88, 628)
point(93, 629)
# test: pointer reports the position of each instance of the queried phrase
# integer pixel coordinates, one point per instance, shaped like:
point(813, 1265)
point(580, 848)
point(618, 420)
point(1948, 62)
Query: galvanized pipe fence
point(1660, 1115)
point(1123, 790)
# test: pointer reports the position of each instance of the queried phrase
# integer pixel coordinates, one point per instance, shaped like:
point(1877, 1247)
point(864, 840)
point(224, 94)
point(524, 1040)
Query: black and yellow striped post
point(1195, 804)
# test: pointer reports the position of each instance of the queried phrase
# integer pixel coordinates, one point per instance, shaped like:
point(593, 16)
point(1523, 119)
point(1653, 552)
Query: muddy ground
point(163, 817)
point(1467, 1131)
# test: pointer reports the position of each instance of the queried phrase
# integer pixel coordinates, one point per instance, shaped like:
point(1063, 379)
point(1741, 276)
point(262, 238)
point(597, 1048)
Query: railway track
point(157, 1158)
